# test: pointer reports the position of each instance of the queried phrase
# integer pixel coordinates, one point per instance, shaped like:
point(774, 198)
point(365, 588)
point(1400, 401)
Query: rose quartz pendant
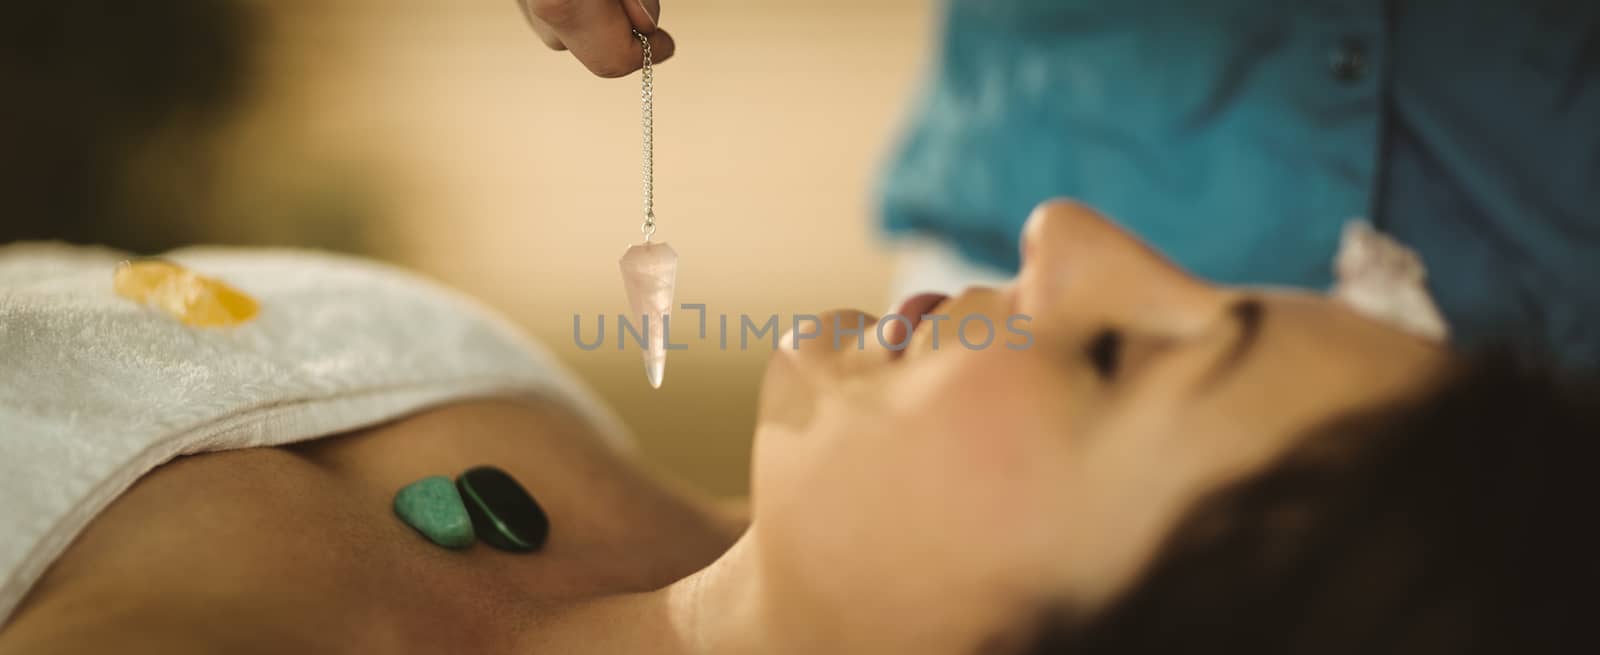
point(649, 271)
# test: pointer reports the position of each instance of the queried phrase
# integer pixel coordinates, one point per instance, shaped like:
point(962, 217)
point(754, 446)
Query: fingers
point(600, 32)
point(644, 14)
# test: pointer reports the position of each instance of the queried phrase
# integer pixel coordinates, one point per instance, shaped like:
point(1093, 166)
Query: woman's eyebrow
point(1247, 315)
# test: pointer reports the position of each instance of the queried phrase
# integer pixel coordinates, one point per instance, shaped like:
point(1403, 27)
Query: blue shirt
point(1238, 136)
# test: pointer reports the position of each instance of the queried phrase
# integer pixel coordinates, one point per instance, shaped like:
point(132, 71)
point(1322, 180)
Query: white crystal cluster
point(1384, 279)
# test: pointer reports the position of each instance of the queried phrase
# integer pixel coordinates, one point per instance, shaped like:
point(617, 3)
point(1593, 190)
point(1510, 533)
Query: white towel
point(96, 390)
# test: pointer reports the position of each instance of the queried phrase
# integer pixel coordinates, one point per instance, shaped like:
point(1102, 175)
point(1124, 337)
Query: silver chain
point(647, 110)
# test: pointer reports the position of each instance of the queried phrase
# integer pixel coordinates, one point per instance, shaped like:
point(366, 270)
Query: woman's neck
point(715, 611)
point(736, 606)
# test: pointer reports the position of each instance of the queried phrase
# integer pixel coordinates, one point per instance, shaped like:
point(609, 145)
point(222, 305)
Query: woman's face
point(941, 492)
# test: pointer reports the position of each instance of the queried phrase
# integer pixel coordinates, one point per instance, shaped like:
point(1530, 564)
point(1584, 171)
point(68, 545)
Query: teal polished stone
point(433, 506)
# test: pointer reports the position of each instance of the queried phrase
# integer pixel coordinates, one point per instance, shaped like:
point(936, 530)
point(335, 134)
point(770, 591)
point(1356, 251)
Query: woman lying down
point(1170, 467)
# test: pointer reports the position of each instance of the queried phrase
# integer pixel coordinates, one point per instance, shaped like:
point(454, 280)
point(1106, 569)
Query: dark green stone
point(433, 506)
point(502, 512)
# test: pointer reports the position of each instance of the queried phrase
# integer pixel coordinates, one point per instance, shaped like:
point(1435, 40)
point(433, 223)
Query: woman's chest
point(301, 545)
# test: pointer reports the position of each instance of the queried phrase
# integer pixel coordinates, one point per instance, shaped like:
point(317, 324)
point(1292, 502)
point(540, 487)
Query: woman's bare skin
point(297, 549)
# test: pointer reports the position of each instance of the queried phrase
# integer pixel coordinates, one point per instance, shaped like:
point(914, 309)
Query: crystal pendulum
point(650, 270)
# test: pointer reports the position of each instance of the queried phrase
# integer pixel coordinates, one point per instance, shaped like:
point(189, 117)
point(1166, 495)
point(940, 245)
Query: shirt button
point(1348, 62)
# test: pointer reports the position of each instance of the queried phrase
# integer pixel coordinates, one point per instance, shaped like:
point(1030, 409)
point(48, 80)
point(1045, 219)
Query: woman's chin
point(787, 399)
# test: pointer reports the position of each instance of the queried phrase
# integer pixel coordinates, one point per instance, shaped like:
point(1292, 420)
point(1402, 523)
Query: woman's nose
point(1079, 264)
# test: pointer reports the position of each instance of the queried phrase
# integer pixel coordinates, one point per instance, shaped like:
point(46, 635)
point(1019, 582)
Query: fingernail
point(647, 15)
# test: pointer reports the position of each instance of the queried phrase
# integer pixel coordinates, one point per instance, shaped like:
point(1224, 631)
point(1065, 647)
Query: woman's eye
point(1104, 352)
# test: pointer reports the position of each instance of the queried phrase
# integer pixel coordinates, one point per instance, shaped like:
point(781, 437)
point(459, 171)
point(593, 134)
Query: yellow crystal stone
point(196, 300)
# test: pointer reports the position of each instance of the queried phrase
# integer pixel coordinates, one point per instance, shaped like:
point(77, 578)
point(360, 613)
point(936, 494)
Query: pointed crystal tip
point(649, 275)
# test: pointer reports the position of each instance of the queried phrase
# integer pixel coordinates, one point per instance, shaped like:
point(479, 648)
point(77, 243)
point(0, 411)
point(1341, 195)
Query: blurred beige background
point(508, 171)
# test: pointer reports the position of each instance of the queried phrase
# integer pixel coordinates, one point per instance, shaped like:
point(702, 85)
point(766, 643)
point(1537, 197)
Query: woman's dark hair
point(1457, 524)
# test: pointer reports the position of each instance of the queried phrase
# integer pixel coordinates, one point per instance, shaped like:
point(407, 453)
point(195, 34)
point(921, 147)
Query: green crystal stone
point(433, 506)
point(506, 515)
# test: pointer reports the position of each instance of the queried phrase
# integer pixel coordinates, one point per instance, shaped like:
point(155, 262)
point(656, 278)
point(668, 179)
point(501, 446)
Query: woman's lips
point(912, 309)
